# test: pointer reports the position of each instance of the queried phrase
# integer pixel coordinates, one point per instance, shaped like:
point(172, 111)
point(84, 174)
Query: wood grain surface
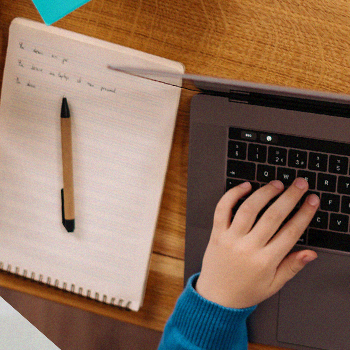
point(282, 42)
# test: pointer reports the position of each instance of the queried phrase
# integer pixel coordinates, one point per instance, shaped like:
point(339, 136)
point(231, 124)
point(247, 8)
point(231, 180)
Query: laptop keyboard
point(260, 157)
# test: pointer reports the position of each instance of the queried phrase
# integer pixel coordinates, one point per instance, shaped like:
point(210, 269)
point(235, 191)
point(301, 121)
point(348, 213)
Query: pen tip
point(64, 109)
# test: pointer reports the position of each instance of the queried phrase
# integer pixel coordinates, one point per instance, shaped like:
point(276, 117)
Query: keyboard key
point(330, 202)
point(297, 158)
point(255, 186)
point(286, 175)
point(257, 153)
point(339, 222)
point(241, 134)
point(230, 183)
point(345, 205)
point(306, 195)
point(266, 173)
point(326, 182)
point(328, 239)
point(338, 165)
point(277, 156)
point(237, 150)
point(235, 182)
point(248, 135)
point(309, 176)
point(344, 185)
point(320, 220)
point(318, 161)
point(302, 239)
point(240, 169)
point(268, 138)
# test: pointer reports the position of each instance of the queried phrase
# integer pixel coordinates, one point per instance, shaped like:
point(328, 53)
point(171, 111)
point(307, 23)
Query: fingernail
point(313, 200)
point(300, 183)
point(245, 184)
point(307, 259)
point(278, 184)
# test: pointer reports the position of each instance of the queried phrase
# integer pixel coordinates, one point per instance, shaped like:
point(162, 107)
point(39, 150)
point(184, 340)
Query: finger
point(290, 233)
point(223, 210)
point(251, 207)
point(274, 216)
point(290, 266)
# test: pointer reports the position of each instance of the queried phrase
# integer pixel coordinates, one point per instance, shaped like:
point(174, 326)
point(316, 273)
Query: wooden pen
point(67, 193)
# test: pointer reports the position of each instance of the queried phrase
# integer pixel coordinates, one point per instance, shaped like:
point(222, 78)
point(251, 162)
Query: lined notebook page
point(122, 129)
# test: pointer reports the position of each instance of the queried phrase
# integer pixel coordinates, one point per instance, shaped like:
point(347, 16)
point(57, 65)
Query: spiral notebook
point(122, 128)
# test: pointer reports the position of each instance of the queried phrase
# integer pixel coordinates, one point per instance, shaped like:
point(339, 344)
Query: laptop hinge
point(290, 103)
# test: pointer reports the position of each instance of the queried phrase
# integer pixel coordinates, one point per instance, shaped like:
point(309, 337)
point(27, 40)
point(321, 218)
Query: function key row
point(289, 141)
point(288, 157)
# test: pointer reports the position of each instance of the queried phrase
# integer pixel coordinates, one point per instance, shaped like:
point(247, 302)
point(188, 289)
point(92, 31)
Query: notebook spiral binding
point(56, 284)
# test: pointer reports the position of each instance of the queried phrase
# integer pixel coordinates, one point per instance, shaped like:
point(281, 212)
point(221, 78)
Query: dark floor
point(74, 329)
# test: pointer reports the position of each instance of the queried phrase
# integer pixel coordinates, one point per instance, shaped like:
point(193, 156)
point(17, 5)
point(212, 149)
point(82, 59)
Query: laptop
point(242, 131)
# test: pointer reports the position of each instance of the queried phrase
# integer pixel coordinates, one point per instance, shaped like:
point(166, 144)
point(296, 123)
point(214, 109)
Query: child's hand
point(244, 263)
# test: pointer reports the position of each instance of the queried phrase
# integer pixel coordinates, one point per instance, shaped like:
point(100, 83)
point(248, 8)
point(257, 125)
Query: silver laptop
point(242, 131)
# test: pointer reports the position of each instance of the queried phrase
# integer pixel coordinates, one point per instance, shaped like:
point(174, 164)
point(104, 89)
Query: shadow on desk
point(71, 328)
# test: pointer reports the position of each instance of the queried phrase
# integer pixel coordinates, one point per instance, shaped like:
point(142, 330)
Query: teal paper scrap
point(53, 10)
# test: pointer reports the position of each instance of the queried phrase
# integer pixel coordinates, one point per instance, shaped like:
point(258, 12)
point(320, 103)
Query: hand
point(246, 262)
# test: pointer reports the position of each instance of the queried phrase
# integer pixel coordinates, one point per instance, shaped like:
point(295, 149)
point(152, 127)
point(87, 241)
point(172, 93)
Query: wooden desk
point(284, 42)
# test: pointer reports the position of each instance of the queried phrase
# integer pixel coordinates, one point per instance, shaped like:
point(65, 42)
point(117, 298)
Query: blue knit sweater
point(198, 324)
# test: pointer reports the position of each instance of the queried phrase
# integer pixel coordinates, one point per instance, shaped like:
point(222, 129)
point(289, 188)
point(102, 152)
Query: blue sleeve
point(198, 324)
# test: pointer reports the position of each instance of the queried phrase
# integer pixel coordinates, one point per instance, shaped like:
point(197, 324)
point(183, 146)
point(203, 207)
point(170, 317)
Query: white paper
point(122, 129)
point(18, 333)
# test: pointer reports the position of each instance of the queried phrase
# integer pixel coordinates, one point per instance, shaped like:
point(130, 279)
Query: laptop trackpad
point(314, 307)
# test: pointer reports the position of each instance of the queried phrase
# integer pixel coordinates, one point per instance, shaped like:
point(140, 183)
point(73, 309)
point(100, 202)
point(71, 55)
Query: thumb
point(290, 266)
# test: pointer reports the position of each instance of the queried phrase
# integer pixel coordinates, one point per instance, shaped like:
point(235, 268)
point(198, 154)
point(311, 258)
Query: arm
point(198, 323)
point(245, 263)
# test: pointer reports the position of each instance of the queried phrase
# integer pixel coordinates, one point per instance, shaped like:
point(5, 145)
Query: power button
point(268, 138)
